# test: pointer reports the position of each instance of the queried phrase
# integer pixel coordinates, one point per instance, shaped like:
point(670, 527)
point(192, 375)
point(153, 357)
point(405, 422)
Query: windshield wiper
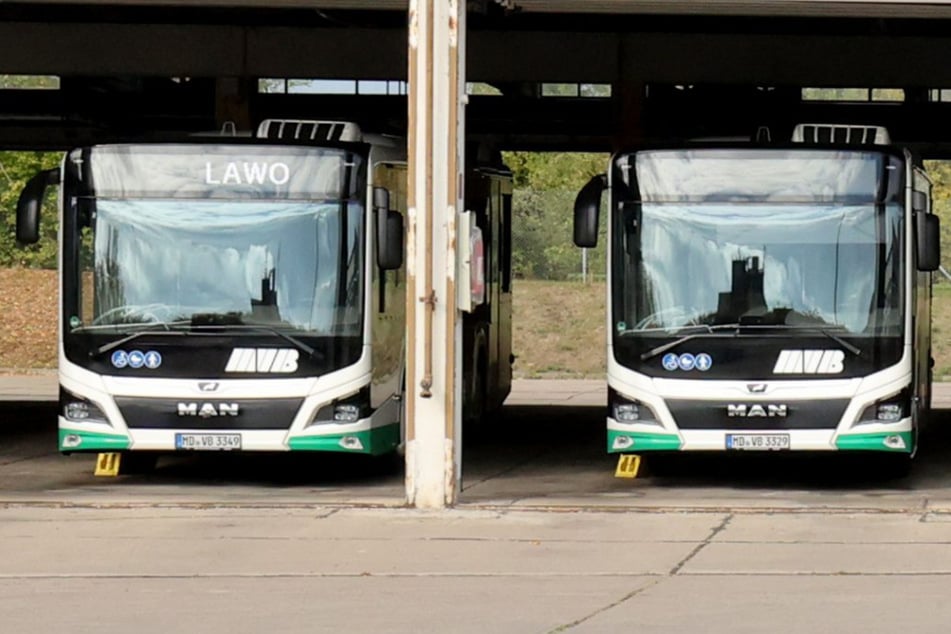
point(106, 347)
point(192, 327)
point(232, 321)
point(707, 328)
point(827, 331)
point(167, 325)
point(294, 341)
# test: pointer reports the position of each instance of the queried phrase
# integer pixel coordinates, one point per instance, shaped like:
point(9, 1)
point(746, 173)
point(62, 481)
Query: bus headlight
point(345, 410)
point(887, 410)
point(77, 409)
point(626, 410)
point(346, 413)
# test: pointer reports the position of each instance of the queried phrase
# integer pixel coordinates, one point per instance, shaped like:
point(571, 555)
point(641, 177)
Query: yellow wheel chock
point(107, 464)
point(627, 466)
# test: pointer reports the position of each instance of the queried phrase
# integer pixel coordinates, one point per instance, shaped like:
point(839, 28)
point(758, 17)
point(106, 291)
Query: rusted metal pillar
point(435, 144)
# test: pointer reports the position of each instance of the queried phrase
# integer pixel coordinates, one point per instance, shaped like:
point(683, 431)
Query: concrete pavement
point(40, 385)
point(544, 542)
point(234, 570)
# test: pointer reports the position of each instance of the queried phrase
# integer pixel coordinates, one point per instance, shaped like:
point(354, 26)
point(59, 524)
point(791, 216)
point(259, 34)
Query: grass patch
point(558, 329)
point(941, 330)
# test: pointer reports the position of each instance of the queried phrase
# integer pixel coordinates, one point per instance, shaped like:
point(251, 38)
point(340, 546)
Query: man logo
point(756, 410)
point(208, 386)
point(809, 362)
point(207, 410)
point(263, 360)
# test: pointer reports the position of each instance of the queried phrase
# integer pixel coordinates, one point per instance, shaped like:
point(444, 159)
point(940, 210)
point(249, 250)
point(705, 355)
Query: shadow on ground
point(522, 451)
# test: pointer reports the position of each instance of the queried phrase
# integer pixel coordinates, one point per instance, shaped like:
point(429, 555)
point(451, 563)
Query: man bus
point(767, 298)
point(230, 294)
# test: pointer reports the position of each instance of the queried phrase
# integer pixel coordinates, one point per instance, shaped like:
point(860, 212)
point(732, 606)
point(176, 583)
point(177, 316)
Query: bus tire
point(474, 403)
point(894, 466)
point(137, 462)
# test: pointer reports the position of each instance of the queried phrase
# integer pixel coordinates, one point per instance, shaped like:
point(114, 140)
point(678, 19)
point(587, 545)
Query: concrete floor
point(545, 538)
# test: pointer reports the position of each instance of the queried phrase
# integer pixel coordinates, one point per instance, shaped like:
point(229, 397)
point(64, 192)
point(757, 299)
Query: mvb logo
point(809, 362)
point(267, 360)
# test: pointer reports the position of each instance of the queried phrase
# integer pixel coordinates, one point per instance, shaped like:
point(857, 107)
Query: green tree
point(542, 208)
point(29, 82)
point(940, 174)
point(16, 168)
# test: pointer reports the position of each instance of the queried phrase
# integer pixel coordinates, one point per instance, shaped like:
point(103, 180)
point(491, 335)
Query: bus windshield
point(731, 252)
point(173, 262)
point(187, 236)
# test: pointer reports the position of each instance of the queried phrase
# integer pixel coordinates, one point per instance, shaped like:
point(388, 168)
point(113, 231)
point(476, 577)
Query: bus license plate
point(208, 442)
point(757, 442)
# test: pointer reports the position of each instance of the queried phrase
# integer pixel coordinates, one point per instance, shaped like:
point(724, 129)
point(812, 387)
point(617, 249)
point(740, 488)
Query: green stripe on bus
point(376, 441)
point(644, 442)
point(874, 442)
point(90, 440)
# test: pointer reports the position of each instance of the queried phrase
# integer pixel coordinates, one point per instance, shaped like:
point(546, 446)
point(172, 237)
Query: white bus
point(230, 294)
point(249, 293)
point(767, 297)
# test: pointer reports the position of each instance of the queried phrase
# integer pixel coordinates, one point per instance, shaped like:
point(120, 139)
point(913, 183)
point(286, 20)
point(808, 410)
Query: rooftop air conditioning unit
point(308, 130)
point(844, 134)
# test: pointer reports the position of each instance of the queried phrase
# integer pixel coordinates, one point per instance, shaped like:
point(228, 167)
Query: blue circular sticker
point(136, 359)
point(703, 362)
point(687, 361)
point(670, 362)
point(120, 359)
point(152, 359)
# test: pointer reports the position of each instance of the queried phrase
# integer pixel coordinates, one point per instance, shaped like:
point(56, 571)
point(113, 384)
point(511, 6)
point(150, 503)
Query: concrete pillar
point(435, 147)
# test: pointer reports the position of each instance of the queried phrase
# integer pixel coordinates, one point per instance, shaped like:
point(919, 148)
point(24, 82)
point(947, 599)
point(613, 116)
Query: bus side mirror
point(587, 208)
point(389, 232)
point(928, 241)
point(31, 202)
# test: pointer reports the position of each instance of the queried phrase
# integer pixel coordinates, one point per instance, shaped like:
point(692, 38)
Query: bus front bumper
point(358, 437)
point(897, 439)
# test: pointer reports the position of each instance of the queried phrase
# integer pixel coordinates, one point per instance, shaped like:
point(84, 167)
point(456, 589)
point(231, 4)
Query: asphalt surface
point(544, 539)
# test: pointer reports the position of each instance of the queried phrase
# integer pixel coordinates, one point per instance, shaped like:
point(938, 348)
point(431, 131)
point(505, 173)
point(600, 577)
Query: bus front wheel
point(474, 405)
point(137, 462)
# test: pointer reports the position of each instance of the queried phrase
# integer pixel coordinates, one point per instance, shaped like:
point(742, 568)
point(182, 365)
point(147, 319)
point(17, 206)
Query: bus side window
point(505, 243)
point(488, 241)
